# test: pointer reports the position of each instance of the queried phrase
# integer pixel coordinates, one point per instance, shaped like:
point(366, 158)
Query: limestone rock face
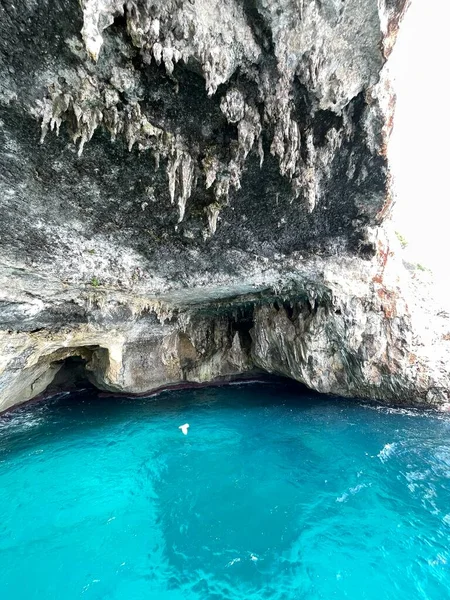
point(194, 190)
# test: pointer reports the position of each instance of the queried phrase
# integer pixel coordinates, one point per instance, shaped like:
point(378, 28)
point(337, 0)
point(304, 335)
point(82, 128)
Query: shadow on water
point(79, 411)
point(68, 415)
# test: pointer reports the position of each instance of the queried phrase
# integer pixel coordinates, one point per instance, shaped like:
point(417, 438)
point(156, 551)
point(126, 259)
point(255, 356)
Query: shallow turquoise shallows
point(273, 494)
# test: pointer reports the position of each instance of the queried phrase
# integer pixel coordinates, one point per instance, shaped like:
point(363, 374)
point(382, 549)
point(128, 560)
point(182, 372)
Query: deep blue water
point(272, 494)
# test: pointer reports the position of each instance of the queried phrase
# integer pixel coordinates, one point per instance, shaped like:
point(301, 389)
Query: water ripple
point(273, 494)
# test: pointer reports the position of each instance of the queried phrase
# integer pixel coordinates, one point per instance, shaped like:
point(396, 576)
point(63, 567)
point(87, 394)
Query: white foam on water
point(387, 451)
point(352, 491)
point(233, 562)
point(21, 421)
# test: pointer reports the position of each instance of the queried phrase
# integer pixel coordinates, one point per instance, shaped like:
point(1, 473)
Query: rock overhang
point(200, 188)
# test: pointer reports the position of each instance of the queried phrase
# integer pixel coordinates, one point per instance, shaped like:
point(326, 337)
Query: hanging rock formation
point(195, 190)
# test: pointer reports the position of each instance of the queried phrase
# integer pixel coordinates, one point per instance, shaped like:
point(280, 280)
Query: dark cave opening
point(75, 369)
point(72, 375)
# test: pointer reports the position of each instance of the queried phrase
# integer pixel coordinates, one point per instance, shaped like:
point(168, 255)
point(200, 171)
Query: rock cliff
point(194, 190)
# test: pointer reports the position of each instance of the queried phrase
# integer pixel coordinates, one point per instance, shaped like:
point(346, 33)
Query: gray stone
point(193, 191)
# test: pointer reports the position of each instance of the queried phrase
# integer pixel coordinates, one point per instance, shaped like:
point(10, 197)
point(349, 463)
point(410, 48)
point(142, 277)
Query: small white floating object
point(253, 557)
point(184, 428)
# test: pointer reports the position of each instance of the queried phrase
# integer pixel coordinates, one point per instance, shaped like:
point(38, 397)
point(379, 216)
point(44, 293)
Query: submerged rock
point(197, 190)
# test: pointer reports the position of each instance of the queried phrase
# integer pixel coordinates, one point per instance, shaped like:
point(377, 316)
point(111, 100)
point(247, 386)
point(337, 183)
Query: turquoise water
point(272, 494)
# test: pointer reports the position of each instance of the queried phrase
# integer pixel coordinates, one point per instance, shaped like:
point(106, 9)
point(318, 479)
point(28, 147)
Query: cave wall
point(200, 189)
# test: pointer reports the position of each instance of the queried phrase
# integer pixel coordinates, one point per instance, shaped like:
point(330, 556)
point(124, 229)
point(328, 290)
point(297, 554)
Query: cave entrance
point(71, 376)
point(75, 368)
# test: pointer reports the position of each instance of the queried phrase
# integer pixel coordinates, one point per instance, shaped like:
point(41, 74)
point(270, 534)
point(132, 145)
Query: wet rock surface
point(193, 190)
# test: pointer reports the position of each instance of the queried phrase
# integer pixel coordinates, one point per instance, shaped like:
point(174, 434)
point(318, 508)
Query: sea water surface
point(273, 494)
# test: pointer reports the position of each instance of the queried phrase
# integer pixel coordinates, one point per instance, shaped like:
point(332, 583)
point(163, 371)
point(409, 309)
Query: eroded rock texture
point(196, 189)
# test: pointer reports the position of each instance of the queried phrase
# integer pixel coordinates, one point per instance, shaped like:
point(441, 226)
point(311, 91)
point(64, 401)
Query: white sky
point(419, 147)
